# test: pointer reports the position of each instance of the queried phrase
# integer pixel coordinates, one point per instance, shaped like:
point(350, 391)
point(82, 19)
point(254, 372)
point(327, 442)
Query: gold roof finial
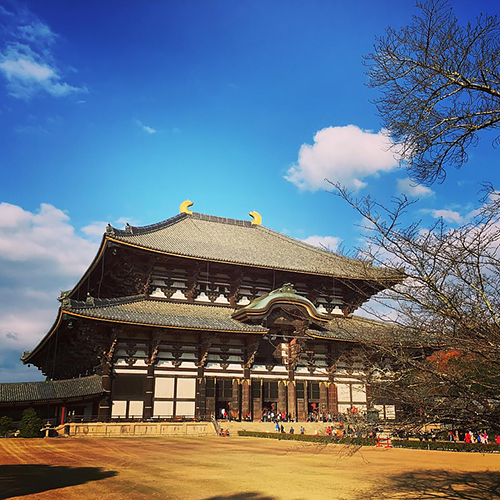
point(257, 219)
point(184, 208)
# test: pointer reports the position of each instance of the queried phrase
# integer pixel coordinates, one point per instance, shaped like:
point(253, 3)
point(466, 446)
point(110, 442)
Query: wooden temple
point(201, 316)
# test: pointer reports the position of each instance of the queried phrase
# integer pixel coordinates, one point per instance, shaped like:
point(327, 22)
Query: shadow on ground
point(19, 480)
point(249, 495)
point(440, 484)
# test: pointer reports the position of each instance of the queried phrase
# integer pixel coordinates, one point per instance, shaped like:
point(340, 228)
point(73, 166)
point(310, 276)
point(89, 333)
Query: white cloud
point(325, 242)
point(342, 154)
point(450, 216)
point(95, 229)
point(40, 254)
point(407, 186)
point(27, 61)
point(26, 70)
point(149, 130)
point(35, 31)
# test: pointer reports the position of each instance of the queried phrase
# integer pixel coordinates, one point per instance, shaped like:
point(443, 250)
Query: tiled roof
point(146, 311)
point(371, 332)
point(19, 392)
point(237, 241)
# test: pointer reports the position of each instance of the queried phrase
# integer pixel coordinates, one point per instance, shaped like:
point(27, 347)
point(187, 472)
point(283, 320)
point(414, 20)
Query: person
point(282, 429)
point(277, 427)
point(302, 430)
point(292, 430)
point(485, 437)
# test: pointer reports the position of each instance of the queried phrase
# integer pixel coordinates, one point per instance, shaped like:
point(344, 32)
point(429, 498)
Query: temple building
point(201, 316)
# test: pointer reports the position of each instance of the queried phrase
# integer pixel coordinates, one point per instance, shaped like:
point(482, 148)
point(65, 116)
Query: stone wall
point(140, 429)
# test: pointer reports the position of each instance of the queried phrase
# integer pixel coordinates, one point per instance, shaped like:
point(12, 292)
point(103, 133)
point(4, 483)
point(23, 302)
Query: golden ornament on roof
point(257, 219)
point(184, 208)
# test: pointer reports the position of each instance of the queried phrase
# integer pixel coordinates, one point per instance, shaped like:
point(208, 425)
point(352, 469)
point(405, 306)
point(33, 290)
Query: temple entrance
point(269, 398)
point(269, 411)
point(224, 389)
point(313, 400)
point(222, 409)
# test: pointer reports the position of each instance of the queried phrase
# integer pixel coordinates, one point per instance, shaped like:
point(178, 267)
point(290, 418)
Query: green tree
point(30, 424)
point(6, 426)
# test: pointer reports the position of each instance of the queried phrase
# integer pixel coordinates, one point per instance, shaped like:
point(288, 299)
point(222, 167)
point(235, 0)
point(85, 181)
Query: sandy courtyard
point(237, 469)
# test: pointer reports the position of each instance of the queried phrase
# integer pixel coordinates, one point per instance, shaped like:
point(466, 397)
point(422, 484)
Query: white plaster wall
point(119, 409)
point(163, 409)
point(184, 408)
point(164, 387)
point(343, 393)
point(186, 388)
point(358, 393)
point(135, 409)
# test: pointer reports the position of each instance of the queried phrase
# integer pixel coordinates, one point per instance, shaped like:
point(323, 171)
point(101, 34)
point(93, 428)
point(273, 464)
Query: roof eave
point(28, 359)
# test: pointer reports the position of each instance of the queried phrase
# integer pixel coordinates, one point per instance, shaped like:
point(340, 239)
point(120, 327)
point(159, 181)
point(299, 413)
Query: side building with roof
point(201, 316)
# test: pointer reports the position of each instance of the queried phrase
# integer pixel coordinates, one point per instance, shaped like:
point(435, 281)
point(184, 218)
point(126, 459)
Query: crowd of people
point(454, 436)
point(272, 416)
point(479, 436)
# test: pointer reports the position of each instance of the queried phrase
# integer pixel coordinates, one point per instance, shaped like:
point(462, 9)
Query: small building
point(201, 316)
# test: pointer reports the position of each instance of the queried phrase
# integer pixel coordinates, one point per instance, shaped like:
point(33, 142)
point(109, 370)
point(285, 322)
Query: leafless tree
point(444, 343)
point(440, 86)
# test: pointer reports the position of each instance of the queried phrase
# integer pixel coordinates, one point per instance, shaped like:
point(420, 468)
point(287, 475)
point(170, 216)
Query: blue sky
point(119, 111)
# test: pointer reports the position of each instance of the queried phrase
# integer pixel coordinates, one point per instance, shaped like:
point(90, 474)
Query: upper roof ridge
point(150, 228)
point(130, 230)
point(222, 220)
point(93, 302)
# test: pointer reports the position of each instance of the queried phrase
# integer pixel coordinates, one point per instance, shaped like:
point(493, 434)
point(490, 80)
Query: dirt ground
point(237, 469)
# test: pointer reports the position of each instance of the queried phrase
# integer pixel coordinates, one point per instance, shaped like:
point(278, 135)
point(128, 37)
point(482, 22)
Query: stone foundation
point(139, 429)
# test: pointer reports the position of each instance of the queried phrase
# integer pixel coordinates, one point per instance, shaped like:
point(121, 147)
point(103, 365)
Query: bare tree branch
point(449, 306)
point(440, 86)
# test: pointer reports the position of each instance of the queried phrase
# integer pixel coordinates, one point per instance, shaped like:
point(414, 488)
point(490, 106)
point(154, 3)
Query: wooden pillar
point(332, 399)
point(323, 398)
point(63, 414)
point(257, 403)
point(306, 405)
point(235, 399)
point(201, 397)
point(281, 396)
point(150, 389)
point(292, 399)
point(104, 411)
point(246, 395)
